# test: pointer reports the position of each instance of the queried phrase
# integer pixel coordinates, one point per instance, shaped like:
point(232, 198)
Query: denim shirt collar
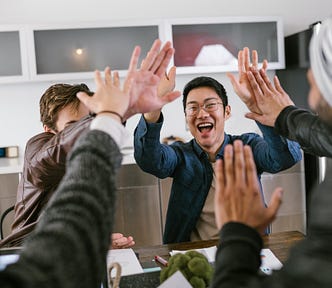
point(220, 155)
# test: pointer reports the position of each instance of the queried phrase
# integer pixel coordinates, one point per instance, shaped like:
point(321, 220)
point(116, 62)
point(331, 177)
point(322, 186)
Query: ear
point(228, 112)
point(47, 129)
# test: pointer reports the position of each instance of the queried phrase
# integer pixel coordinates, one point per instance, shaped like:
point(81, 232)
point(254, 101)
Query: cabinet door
point(212, 45)
point(13, 64)
point(76, 52)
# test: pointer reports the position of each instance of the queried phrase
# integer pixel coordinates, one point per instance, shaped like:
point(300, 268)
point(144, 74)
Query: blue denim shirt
point(192, 172)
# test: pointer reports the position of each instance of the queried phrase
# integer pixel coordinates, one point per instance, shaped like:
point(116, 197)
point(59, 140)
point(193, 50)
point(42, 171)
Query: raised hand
point(140, 91)
point(270, 99)
point(108, 96)
point(238, 197)
point(241, 84)
point(146, 80)
point(165, 87)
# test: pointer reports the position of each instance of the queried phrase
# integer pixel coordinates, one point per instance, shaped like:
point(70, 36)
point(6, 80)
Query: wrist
point(115, 115)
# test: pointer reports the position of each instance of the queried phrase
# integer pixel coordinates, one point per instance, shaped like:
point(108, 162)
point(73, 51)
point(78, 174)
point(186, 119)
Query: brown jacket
point(44, 167)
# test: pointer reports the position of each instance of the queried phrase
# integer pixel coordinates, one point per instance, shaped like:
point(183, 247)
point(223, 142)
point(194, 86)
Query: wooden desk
point(279, 243)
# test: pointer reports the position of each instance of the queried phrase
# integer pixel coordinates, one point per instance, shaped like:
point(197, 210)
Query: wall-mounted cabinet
point(202, 45)
point(13, 57)
point(212, 45)
point(70, 53)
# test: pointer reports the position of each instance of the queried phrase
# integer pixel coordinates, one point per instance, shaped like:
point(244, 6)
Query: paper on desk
point(269, 261)
point(209, 253)
point(127, 259)
point(177, 280)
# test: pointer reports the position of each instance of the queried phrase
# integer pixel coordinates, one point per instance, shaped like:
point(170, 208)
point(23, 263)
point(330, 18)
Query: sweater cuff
point(237, 232)
point(110, 126)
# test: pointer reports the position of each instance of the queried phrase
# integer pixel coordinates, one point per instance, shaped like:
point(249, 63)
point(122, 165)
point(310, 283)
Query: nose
point(202, 113)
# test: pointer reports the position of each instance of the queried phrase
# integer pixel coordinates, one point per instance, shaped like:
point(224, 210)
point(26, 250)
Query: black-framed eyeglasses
point(194, 108)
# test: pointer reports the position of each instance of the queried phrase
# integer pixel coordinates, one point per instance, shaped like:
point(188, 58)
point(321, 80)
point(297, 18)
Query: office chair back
point(2, 220)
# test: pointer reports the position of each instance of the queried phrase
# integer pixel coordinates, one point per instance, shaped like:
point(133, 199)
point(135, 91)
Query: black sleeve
point(307, 129)
point(238, 256)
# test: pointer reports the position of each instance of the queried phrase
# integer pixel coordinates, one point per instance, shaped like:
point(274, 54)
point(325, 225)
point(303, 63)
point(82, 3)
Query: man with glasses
point(190, 213)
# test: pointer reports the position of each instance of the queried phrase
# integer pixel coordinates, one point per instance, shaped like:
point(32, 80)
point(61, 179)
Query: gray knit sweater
point(68, 248)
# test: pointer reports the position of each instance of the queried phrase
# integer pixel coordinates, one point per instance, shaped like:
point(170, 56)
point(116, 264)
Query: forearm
point(75, 234)
point(238, 257)
point(274, 153)
point(152, 156)
point(307, 129)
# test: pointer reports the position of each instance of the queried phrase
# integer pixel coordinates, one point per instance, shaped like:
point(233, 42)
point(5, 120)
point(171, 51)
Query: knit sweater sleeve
point(68, 248)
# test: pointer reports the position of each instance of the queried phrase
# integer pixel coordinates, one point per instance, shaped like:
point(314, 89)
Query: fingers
point(240, 62)
point(275, 203)
point(228, 165)
point(264, 66)
point(161, 68)
point(108, 76)
point(151, 55)
point(169, 97)
point(246, 57)
point(234, 82)
point(84, 98)
point(116, 79)
point(115, 236)
point(266, 80)
point(254, 58)
point(255, 86)
point(251, 172)
point(239, 162)
point(134, 59)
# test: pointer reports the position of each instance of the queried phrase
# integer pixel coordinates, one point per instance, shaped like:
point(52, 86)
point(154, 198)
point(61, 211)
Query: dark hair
point(56, 98)
point(204, 81)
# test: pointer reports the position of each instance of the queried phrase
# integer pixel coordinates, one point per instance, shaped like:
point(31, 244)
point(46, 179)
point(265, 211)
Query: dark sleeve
point(238, 256)
point(307, 129)
point(68, 248)
point(150, 155)
point(47, 162)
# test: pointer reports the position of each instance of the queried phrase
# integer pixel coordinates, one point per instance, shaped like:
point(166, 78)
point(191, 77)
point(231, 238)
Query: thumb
point(84, 98)
point(253, 116)
point(233, 80)
point(275, 203)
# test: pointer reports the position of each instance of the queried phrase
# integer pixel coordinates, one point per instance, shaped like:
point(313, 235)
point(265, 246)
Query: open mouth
point(204, 127)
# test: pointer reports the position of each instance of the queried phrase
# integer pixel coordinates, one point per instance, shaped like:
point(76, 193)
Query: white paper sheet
point(209, 253)
point(127, 259)
point(177, 280)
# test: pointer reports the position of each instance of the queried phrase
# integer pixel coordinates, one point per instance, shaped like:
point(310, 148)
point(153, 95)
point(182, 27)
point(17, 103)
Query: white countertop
point(11, 165)
point(15, 165)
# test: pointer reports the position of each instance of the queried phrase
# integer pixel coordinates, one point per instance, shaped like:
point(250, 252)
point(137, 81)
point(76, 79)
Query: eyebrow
point(207, 99)
point(70, 122)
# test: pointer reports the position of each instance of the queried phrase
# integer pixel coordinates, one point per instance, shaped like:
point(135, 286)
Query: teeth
point(204, 125)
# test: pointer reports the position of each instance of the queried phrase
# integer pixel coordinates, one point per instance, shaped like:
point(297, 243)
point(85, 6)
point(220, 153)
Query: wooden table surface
point(279, 243)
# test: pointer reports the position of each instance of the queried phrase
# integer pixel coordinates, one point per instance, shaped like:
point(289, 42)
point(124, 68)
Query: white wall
point(19, 111)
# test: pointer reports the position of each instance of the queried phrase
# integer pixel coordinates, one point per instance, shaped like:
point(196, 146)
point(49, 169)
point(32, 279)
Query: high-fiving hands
point(270, 99)
point(238, 197)
point(140, 90)
point(241, 84)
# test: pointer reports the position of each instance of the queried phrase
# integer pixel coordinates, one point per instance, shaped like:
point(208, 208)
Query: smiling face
point(207, 127)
